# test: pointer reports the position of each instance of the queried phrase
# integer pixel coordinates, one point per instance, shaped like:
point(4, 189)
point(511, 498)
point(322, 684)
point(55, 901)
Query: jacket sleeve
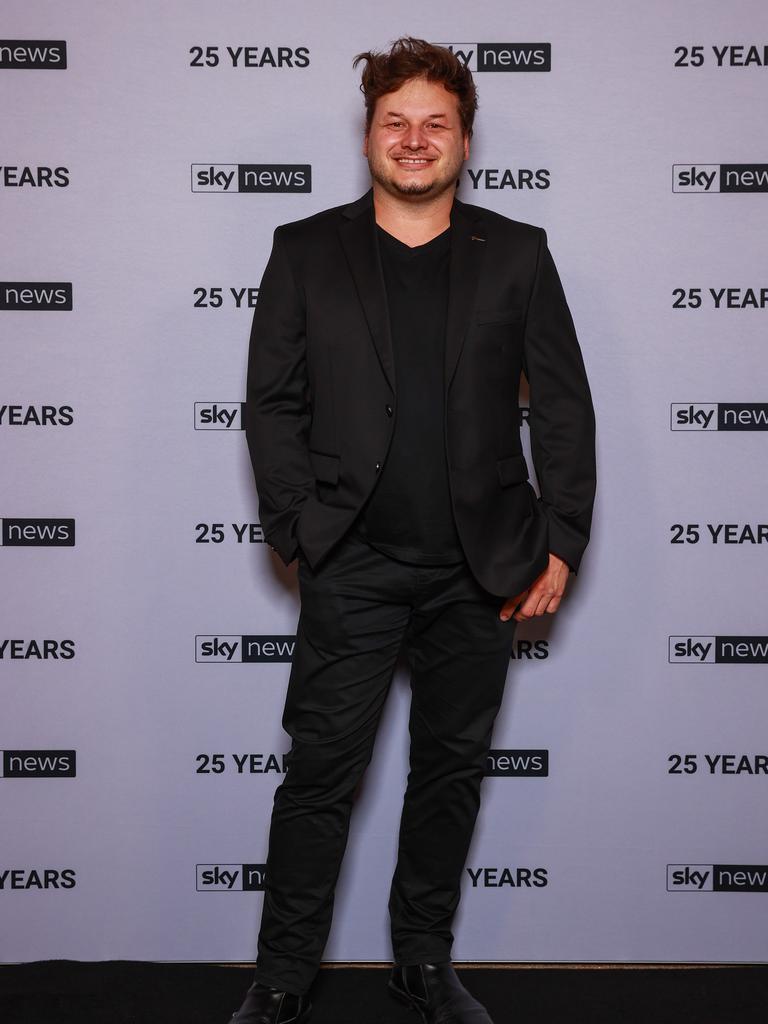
point(277, 413)
point(561, 418)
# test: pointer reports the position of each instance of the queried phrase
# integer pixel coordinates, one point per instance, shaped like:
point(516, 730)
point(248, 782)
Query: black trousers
point(356, 609)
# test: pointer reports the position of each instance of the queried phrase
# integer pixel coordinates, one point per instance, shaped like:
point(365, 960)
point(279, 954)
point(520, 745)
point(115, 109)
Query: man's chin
point(409, 189)
point(414, 188)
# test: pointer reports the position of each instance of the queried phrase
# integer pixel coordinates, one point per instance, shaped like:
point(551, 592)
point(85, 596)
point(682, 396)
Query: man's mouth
point(413, 161)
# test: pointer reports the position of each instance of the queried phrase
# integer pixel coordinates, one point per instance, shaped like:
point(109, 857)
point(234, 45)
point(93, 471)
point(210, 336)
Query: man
point(383, 427)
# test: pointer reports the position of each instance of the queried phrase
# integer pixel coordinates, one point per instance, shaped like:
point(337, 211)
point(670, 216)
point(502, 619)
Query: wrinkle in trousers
point(357, 609)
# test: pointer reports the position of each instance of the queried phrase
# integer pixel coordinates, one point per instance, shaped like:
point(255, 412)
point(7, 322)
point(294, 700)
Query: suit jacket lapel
point(468, 245)
point(358, 237)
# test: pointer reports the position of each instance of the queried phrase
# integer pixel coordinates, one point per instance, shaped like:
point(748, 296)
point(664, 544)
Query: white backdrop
point(120, 841)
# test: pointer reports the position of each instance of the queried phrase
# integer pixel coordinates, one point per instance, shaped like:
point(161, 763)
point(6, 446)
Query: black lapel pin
point(476, 238)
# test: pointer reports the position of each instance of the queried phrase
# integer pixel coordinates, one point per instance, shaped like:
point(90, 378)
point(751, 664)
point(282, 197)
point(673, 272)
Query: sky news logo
point(39, 54)
point(38, 764)
point(37, 533)
point(262, 178)
point(517, 764)
point(719, 416)
point(35, 295)
point(718, 650)
point(717, 878)
point(231, 877)
point(239, 649)
point(720, 177)
point(219, 415)
point(503, 56)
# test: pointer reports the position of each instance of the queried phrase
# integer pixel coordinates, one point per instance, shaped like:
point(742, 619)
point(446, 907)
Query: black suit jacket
point(321, 402)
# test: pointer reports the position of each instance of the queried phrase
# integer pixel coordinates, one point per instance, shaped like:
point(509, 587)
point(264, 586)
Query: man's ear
point(466, 147)
point(365, 144)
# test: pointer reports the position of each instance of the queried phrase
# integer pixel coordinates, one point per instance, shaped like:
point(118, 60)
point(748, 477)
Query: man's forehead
point(419, 99)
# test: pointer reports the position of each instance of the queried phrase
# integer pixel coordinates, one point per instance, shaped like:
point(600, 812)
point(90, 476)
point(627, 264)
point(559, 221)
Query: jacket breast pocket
point(325, 467)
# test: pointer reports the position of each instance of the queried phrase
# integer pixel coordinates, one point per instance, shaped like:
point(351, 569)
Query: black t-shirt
point(409, 514)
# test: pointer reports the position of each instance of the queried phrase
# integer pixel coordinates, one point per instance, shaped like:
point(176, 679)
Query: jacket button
point(389, 409)
point(378, 466)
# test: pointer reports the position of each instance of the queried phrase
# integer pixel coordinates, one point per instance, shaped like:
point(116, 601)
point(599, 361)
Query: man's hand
point(542, 596)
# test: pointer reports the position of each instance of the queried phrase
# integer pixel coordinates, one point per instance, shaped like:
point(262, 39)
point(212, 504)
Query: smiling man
point(383, 426)
point(403, 163)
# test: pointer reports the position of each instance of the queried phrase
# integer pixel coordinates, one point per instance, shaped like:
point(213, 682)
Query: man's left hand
point(543, 595)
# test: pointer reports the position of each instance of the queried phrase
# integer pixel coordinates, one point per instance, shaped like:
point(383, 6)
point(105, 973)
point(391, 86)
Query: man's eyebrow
point(396, 113)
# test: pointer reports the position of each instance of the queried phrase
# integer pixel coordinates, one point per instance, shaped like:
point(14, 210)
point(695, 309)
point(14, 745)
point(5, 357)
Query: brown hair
point(416, 58)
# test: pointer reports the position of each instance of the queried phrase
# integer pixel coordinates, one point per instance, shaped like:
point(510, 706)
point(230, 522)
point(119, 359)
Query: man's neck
point(413, 222)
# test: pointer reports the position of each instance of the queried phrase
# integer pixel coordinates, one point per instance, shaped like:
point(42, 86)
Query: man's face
point(415, 146)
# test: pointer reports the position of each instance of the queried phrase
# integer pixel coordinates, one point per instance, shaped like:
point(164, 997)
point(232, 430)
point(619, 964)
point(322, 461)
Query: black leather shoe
point(438, 995)
point(265, 1005)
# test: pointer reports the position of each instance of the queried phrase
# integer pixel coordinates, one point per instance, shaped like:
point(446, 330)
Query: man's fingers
point(526, 609)
point(543, 596)
point(539, 601)
point(544, 602)
point(510, 604)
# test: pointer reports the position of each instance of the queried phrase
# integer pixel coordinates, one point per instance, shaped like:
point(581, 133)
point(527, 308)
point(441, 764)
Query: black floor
point(123, 992)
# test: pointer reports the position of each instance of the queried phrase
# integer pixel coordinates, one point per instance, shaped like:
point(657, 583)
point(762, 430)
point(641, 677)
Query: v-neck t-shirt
point(409, 514)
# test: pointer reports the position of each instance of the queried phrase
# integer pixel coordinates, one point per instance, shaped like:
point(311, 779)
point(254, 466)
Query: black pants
point(355, 610)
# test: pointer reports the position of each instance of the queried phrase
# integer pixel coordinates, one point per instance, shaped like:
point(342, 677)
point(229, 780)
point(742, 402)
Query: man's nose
point(415, 139)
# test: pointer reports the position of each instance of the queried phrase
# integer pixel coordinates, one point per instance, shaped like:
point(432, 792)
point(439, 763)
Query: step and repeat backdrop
point(148, 152)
